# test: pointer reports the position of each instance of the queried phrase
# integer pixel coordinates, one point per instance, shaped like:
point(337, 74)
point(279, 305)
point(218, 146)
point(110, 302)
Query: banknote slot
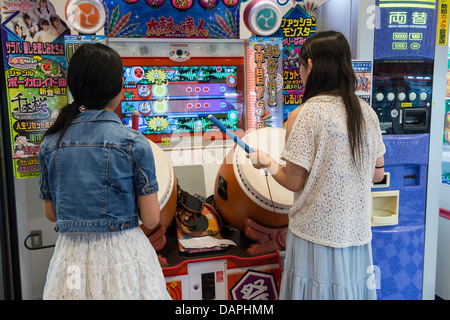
point(415, 119)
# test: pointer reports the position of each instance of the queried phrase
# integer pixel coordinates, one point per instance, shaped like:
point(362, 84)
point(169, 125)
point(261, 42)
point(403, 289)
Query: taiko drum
point(167, 194)
point(242, 192)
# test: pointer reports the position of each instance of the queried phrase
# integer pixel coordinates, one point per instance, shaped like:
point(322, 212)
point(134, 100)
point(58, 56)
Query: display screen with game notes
point(176, 98)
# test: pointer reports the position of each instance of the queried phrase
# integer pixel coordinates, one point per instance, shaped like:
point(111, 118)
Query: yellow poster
point(442, 23)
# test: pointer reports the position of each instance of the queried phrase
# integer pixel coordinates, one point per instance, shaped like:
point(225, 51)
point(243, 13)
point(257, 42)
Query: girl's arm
point(149, 209)
point(49, 209)
point(379, 170)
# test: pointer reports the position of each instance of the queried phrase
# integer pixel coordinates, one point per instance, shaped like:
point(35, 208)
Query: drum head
point(164, 174)
point(253, 181)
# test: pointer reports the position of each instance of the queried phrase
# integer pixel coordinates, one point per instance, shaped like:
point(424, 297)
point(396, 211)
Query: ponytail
point(65, 117)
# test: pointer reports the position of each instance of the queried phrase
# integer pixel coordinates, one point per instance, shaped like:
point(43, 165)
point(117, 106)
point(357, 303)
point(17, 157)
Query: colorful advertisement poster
point(407, 30)
point(214, 19)
point(443, 22)
point(36, 77)
point(265, 83)
point(297, 25)
point(363, 73)
point(445, 175)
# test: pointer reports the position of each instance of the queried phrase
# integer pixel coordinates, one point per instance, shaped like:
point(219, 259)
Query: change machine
point(402, 103)
point(403, 69)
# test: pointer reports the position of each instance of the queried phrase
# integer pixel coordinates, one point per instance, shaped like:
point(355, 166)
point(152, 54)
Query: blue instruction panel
point(405, 29)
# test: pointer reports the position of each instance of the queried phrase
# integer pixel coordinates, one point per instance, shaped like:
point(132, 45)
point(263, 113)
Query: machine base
point(267, 239)
point(158, 240)
point(230, 274)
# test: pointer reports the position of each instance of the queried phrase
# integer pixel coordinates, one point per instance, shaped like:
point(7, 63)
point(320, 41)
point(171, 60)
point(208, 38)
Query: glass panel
point(2, 212)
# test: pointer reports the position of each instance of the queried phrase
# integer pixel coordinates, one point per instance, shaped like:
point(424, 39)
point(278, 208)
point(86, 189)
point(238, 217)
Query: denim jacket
point(96, 174)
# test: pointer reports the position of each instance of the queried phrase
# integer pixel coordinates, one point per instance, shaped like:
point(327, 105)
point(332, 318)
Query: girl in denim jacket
point(97, 181)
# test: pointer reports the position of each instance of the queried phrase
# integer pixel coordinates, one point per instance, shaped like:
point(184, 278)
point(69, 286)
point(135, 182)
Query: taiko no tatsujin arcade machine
point(200, 75)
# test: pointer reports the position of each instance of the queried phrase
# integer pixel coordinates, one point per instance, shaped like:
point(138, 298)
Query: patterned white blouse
point(333, 209)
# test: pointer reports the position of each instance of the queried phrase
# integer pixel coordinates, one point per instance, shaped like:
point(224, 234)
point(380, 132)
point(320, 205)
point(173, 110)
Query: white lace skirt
point(109, 266)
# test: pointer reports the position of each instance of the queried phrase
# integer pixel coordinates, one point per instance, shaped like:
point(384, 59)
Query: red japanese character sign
point(217, 19)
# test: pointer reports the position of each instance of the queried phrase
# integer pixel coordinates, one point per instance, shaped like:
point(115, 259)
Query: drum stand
point(267, 239)
point(158, 241)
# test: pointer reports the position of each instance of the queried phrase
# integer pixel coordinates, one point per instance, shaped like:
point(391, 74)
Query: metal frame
point(9, 244)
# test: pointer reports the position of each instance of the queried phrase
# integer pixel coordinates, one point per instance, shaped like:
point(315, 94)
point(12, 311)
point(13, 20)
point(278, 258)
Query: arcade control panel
point(402, 93)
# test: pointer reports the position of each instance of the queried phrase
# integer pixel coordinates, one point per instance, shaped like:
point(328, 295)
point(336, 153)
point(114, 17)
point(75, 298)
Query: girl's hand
point(260, 159)
point(291, 176)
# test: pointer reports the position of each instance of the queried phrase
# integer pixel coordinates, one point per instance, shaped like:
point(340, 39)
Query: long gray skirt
point(316, 272)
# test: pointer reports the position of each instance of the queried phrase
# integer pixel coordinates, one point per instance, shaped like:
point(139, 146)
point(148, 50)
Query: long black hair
point(332, 72)
point(94, 77)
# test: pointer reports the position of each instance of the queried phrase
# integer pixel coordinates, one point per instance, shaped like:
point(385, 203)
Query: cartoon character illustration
point(145, 108)
point(20, 146)
point(291, 61)
point(144, 91)
point(134, 74)
point(50, 68)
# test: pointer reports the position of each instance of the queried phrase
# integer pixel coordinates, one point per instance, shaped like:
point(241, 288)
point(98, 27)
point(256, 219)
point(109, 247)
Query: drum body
point(167, 194)
point(242, 192)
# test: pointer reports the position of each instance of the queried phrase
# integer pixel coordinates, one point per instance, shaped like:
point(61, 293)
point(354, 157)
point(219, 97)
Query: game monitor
point(175, 98)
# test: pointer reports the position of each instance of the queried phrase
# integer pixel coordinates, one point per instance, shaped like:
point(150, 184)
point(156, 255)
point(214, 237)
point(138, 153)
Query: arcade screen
point(176, 98)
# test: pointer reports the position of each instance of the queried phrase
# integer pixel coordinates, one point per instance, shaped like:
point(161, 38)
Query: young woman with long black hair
point(97, 181)
point(334, 151)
